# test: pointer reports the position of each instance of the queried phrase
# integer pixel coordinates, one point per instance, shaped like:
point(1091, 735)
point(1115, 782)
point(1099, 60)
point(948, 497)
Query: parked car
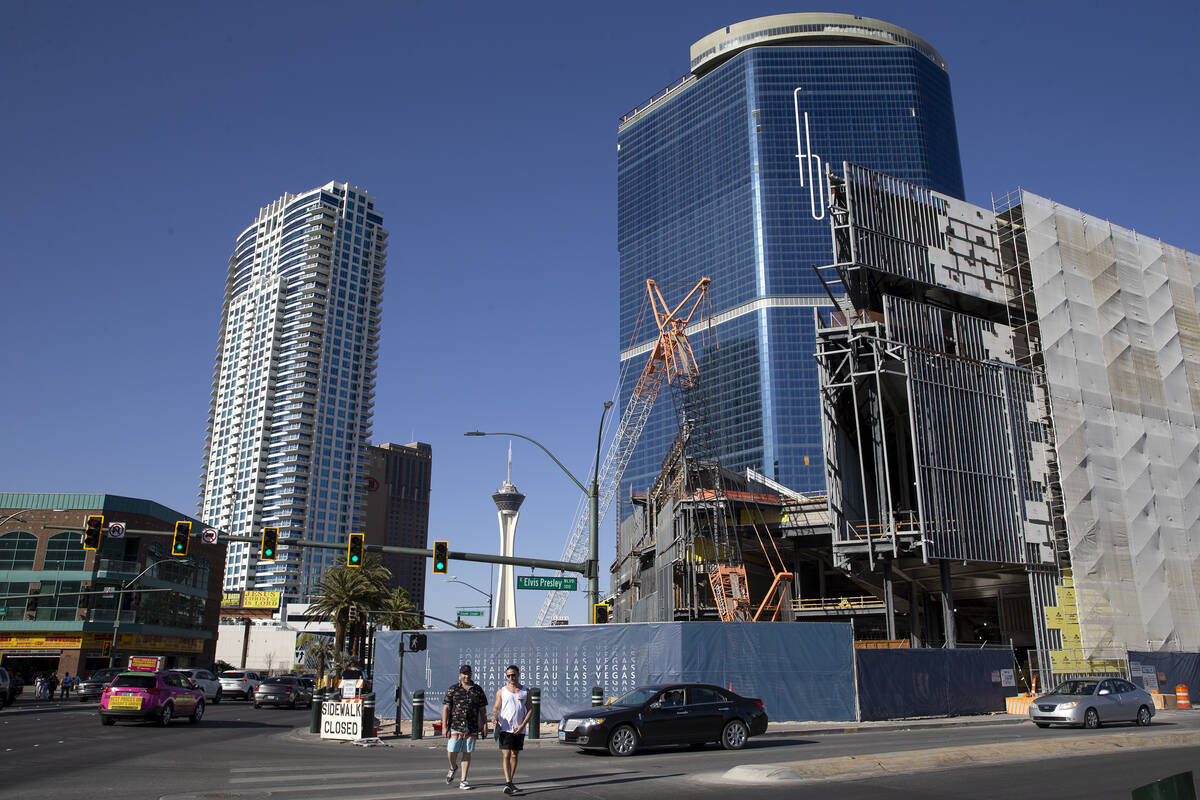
point(676, 713)
point(284, 690)
point(6, 687)
point(159, 696)
point(206, 681)
point(92, 687)
point(239, 683)
point(1091, 703)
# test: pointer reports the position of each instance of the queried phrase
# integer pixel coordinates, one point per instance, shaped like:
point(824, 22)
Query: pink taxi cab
point(160, 696)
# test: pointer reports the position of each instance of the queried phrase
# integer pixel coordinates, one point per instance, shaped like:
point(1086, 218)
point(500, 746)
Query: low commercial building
point(65, 609)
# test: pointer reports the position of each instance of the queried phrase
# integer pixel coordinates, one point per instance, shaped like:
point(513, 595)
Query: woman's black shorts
point(510, 741)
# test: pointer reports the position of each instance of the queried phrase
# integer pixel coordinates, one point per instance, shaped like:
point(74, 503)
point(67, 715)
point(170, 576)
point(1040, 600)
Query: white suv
point(239, 683)
point(206, 682)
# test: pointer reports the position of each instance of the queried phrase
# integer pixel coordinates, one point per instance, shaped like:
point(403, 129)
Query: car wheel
point(735, 735)
point(1042, 724)
point(197, 712)
point(1143, 717)
point(1091, 719)
point(107, 721)
point(165, 718)
point(292, 705)
point(624, 741)
point(217, 697)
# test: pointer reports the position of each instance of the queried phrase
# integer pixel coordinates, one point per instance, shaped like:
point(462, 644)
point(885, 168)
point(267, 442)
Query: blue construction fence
point(1165, 671)
point(801, 671)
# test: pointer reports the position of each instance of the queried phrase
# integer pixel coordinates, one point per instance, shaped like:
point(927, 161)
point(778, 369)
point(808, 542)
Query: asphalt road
point(238, 752)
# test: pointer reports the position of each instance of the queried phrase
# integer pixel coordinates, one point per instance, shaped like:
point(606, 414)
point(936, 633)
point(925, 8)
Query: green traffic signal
point(354, 550)
point(441, 557)
point(179, 542)
point(270, 541)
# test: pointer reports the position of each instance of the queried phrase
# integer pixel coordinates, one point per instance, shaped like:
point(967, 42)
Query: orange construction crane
point(672, 358)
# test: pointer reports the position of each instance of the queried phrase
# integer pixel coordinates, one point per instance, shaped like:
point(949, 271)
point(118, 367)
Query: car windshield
point(104, 675)
point(1076, 687)
point(135, 681)
point(636, 697)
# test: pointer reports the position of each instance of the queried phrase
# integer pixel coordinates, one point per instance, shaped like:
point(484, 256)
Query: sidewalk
point(25, 703)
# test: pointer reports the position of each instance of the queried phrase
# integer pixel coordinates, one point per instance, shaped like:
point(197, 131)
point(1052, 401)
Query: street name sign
point(470, 613)
point(547, 583)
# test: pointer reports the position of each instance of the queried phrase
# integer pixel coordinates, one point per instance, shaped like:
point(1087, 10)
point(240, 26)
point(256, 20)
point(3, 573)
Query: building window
point(63, 552)
point(17, 550)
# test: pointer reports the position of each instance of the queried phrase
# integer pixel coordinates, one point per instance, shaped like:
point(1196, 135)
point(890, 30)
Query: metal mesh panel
point(1120, 339)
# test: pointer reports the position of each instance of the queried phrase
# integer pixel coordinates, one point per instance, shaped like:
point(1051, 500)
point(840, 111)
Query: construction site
point(949, 518)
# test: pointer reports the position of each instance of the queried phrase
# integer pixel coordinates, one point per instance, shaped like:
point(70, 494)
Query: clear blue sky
point(140, 139)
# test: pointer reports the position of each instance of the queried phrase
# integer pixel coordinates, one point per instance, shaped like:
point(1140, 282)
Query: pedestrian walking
point(39, 687)
point(51, 685)
point(464, 719)
point(67, 682)
point(512, 711)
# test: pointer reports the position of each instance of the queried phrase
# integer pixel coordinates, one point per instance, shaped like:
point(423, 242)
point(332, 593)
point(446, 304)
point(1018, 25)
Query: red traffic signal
point(92, 530)
point(179, 542)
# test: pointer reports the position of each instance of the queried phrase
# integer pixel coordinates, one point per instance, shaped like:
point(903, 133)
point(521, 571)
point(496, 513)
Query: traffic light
point(107, 649)
point(354, 550)
point(441, 557)
point(179, 542)
point(270, 541)
point(600, 614)
point(416, 642)
point(92, 530)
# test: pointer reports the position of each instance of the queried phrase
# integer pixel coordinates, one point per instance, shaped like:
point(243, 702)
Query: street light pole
point(593, 496)
point(453, 579)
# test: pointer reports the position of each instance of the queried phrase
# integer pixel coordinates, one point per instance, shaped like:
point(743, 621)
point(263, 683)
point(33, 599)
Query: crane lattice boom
point(671, 358)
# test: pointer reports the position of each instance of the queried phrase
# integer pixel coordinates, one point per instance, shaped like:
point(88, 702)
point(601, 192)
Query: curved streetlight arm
point(575, 480)
point(476, 588)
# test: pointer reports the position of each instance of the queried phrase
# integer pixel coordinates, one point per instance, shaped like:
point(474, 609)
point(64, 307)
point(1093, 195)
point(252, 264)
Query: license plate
point(132, 702)
point(562, 734)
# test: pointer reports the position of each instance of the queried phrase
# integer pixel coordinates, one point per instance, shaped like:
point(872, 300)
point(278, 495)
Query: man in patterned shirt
point(464, 719)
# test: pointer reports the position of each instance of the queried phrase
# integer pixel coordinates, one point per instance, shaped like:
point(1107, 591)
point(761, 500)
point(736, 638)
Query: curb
point(882, 764)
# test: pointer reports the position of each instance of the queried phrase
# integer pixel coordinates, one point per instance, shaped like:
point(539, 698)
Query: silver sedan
point(1091, 702)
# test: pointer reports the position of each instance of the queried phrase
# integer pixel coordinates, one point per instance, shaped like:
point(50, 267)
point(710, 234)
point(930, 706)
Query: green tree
point(342, 589)
point(398, 608)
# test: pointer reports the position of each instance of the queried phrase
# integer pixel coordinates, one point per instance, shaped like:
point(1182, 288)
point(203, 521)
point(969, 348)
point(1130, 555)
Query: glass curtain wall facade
point(709, 184)
point(294, 382)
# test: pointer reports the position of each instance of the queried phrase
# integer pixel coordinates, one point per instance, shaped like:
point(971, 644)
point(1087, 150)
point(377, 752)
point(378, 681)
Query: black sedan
point(670, 713)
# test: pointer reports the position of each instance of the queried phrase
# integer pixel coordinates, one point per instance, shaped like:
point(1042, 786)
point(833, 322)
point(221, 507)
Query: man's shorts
point(511, 741)
point(460, 742)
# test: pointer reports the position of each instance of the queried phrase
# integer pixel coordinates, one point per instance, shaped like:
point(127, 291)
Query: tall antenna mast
point(509, 480)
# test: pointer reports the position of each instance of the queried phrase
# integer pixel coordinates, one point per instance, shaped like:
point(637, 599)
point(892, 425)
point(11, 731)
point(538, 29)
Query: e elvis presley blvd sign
point(552, 583)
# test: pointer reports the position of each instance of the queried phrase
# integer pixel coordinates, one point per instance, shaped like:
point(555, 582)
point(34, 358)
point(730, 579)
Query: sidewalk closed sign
point(341, 719)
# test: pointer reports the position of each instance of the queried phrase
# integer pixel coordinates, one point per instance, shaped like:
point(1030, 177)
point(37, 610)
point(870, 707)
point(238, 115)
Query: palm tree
point(318, 651)
point(398, 611)
point(343, 588)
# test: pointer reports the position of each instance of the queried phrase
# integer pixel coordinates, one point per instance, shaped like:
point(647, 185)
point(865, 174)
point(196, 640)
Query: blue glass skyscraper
point(715, 177)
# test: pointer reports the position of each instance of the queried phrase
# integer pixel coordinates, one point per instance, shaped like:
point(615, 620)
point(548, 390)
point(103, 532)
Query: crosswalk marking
point(395, 773)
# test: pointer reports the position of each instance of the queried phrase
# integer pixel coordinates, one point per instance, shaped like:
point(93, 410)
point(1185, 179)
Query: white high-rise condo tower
point(293, 388)
point(508, 508)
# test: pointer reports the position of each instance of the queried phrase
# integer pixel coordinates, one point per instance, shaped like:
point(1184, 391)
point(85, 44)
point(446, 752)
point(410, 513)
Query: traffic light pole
point(455, 555)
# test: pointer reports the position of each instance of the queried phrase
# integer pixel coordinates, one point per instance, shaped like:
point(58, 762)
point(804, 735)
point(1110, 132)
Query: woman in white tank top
point(512, 715)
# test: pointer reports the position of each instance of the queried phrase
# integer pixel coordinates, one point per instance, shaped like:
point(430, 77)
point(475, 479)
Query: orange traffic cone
point(1181, 696)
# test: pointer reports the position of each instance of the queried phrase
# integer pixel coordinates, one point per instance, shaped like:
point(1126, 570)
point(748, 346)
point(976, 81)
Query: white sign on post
point(341, 719)
point(116, 530)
